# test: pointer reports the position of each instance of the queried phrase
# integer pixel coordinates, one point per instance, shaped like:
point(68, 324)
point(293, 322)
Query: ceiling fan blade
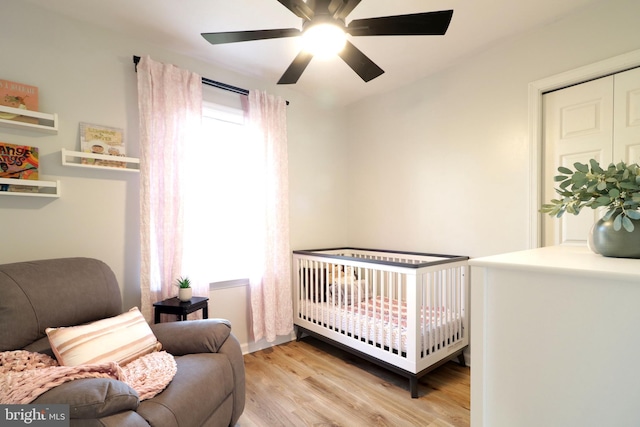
point(245, 36)
point(417, 24)
point(299, 7)
point(297, 67)
point(342, 8)
point(360, 63)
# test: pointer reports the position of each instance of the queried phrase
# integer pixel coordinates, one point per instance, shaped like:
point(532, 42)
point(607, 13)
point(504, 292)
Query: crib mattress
point(382, 321)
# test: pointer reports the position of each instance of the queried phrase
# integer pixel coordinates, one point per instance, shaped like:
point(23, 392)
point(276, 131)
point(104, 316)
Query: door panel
point(627, 116)
point(578, 126)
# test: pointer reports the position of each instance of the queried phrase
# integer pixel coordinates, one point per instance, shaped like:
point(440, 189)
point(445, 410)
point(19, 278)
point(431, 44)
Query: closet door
point(626, 134)
point(578, 126)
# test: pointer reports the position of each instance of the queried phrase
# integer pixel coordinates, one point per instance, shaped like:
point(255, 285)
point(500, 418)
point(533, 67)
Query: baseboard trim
point(264, 344)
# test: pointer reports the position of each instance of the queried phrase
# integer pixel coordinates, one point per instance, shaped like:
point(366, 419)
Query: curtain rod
point(209, 82)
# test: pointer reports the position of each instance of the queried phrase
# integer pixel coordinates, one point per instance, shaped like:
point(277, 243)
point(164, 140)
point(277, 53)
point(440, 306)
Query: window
point(221, 186)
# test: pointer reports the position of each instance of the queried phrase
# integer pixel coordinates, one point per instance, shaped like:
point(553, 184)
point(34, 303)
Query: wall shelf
point(74, 158)
point(47, 123)
point(44, 188)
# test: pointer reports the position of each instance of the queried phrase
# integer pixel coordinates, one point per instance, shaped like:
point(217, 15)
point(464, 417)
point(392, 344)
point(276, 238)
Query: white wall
point(86, 74)
point(442, 165)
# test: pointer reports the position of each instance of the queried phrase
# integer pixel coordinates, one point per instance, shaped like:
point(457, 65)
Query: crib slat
point(438, 310)
point(398, 298)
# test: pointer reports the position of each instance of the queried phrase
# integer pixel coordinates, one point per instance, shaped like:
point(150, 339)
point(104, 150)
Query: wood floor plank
point(310, 383)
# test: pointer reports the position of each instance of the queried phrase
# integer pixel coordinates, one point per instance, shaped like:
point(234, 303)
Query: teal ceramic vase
point(611, 243)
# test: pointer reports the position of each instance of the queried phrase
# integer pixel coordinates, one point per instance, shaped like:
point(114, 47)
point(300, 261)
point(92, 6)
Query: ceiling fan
point(315, 13)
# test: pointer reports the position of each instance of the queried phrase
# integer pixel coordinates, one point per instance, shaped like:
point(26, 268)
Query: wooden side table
point(181, 309)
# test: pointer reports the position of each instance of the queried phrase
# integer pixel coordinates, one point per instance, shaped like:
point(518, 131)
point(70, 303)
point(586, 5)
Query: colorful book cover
point(18, 95)
point(18, 162)
point(102, 140)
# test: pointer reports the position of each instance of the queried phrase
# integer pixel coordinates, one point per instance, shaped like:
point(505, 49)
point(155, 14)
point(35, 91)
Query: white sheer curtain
point(271, 305)
point(170, 105)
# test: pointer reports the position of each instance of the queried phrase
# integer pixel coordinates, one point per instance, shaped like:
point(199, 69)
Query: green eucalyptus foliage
point(617, 188)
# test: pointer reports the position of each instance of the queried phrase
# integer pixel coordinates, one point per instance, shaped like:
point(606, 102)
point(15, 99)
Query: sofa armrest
point(233, 351)
point(92, 397)
point(192, 336)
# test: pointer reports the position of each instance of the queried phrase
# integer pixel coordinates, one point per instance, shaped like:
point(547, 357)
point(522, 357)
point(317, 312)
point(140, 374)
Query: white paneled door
point(599, 119)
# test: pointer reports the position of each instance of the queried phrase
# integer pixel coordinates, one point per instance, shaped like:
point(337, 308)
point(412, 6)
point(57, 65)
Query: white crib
point(404, 311)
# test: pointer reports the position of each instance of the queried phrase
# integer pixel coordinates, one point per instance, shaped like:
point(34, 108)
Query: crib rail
point(385, 257)
point(407, 309)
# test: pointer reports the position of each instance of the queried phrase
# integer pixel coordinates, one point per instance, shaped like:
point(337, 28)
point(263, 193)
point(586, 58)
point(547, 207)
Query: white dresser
point(555, 339)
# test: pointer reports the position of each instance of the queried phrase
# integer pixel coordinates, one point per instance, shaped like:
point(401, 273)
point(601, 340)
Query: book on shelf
point(18, 95)
point(19, 162)
point(99, 139)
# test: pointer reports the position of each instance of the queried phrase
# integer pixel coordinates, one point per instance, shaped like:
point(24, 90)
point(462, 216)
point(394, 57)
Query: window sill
point(227, 284)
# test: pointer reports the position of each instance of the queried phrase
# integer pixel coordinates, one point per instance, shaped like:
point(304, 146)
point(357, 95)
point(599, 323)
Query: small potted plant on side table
point(185, 292)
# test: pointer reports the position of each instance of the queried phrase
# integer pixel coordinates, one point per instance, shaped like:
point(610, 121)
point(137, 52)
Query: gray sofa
point(207, 390)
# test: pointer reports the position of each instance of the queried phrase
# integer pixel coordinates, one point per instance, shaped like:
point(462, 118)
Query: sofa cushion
point(212, 391)
point(121, 419)
point(92, 397)
point(119, 339)
point(35, 295)
point(41, 346)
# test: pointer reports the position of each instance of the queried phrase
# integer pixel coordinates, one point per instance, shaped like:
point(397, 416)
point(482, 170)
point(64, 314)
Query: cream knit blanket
point(25, 375)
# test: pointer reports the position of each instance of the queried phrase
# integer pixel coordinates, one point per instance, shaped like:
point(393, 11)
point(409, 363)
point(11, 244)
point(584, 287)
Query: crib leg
point(298, 334)
point(461, 360)
point(413, 386)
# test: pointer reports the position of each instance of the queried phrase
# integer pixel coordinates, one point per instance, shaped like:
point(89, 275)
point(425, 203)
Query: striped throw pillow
point(119, 339)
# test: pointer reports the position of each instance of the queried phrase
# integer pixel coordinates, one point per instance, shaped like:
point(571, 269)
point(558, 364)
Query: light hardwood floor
point(310, 383)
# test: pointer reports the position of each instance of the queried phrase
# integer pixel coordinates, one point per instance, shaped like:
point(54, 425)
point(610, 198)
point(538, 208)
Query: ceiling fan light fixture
point(323, 34)
point(324, 40)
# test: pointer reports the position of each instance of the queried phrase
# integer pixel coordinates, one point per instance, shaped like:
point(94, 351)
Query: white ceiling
point(176, 25)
